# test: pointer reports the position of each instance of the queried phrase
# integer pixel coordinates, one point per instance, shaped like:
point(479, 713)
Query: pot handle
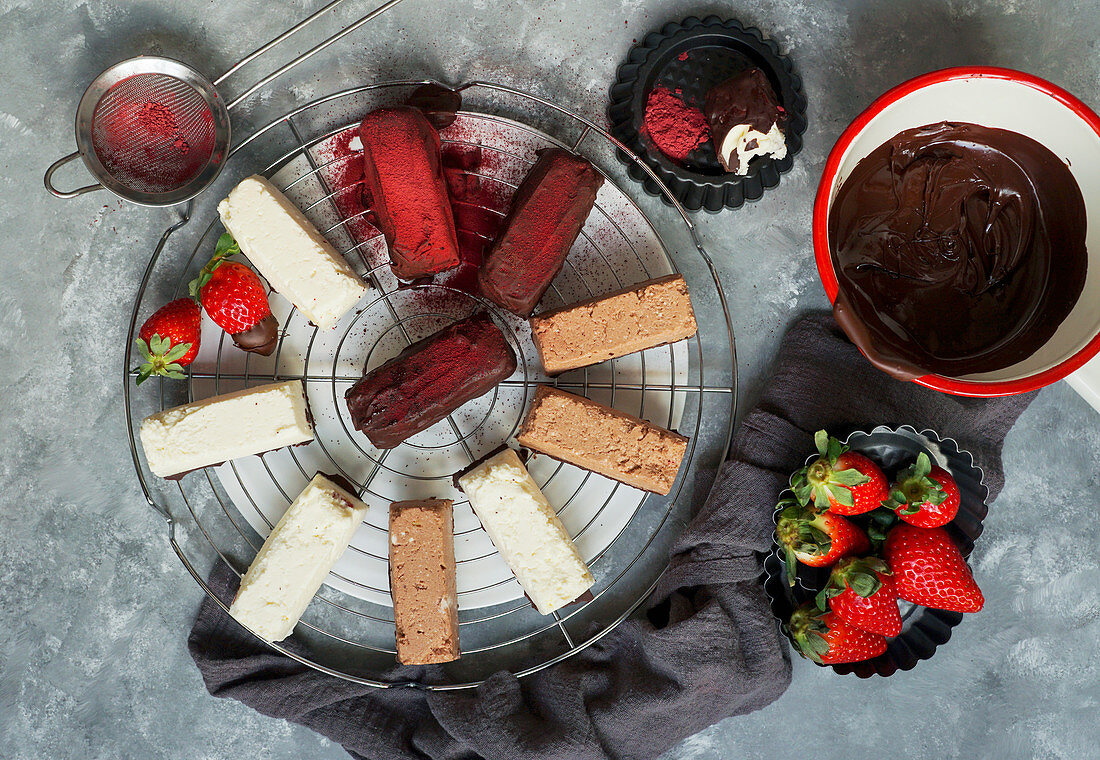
point(62, 193)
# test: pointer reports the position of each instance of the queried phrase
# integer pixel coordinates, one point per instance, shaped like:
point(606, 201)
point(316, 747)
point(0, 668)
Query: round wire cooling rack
point(222, 514)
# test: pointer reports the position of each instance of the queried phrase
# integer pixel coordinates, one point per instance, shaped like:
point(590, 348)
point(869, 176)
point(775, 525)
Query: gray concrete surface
point(95, 608)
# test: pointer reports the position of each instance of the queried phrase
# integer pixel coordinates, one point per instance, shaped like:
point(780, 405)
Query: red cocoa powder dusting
point(674, 127)
point(478, 205)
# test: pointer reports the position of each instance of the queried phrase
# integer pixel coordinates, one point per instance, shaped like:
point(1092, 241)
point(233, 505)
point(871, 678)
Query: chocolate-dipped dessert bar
point(403, 172)
point(745, 120)
point(429, 380)
point(422, 581)
point(546, 216)
point(588, 434)
point(632, 319)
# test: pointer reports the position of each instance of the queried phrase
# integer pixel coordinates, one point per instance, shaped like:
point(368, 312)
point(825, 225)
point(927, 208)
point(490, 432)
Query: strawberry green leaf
point(841, 495)
point(864, 584)
point(792, 565)
point(143, 349)
point(923, 466)
point(226, 247)
point(817, 645)
point(822, 599)
point(850, 477)
point(177, 352)
point(821, 440)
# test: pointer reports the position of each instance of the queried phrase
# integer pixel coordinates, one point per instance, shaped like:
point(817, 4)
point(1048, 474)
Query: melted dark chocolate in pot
point(958, 248)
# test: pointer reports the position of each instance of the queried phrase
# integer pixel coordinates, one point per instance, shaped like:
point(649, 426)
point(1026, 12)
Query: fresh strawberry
point(827, 640)
point(861, 593)
point(235, 299)
point(839, 480)
point(169, 340)
point(816, 539)
point(924, 494)
point(930, 570)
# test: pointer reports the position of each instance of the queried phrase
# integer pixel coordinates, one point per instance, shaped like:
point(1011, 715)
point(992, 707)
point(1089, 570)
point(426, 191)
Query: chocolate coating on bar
point(958, 248)
point(403, 171)
point(429, 380)
point(547, 214)
point(261, 338)
point(745, 98)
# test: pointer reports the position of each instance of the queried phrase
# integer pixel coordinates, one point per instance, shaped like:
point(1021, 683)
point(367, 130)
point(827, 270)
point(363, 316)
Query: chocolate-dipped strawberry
point(746, 120)
point(236, 301)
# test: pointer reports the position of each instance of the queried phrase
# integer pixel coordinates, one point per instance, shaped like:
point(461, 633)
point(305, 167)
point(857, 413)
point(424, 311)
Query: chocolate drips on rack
point(958, 249)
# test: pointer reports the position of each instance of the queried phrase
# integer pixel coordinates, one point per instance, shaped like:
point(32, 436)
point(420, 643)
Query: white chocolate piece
point(735, 151)
point(220, 428)
point(526, 531)
point(295, 559)
point(297, 260)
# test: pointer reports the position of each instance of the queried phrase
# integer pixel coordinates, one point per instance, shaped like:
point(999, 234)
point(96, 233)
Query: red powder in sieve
point(158, 121)
point(674, 127)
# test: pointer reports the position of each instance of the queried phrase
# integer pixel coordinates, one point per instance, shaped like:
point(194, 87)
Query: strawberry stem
point(225, 248)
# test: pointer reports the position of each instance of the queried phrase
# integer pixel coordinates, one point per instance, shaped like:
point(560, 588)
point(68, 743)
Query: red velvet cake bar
point(547, 214)
point(403, 173)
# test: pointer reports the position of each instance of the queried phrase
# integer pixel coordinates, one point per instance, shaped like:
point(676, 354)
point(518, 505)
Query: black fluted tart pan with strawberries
point(923, 628)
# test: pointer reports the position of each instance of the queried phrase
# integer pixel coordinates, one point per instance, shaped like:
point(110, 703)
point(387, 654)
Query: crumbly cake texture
point(595, 437)
point(422, 581)
point(296, 557)
point(633, 319)
point(526, 531)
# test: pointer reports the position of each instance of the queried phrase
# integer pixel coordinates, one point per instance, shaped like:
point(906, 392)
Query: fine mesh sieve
point(154, 131)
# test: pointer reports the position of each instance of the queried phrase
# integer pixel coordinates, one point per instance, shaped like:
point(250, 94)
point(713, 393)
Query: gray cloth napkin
point(707, 647)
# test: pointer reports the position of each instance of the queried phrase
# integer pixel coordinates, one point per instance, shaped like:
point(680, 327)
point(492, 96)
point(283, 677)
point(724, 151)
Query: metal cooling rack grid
point(323, 632)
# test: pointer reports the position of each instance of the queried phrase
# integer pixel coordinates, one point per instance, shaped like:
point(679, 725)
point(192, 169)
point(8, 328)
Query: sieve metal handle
point(304, 56)
point(66, 193)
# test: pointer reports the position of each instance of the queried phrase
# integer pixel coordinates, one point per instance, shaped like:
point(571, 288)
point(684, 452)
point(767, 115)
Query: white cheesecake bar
point(220, 428)
point(295, 558)
point(526, 531)
point(297, 260)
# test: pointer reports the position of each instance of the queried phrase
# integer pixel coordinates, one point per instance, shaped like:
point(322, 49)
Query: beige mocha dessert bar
point(633, 319)
point(598, 438)
point(422, 581)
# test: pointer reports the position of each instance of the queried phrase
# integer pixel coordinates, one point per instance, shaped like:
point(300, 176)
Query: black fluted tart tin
point(923, 628)
point(712, 50)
